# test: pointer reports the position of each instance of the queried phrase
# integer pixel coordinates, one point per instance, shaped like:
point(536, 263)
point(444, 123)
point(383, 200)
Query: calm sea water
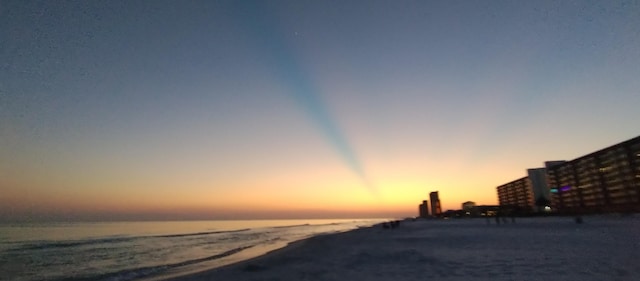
point(121, 251)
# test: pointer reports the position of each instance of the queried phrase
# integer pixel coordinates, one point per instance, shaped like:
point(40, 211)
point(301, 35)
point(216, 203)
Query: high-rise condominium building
point(607, 180)
point(436, 209)
point(423, 209)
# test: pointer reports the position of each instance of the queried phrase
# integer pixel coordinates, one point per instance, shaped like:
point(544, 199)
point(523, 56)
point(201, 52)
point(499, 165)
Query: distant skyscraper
point(436, 210)
point(424, 209)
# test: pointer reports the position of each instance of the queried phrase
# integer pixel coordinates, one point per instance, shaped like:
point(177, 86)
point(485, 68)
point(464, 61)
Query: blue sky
point(159, 106)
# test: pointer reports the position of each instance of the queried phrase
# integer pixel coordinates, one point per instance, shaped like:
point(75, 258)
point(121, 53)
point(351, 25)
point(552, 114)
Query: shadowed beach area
point(554, 248)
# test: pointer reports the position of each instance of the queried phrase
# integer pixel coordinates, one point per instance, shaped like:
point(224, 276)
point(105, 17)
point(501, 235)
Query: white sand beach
point(552, 248)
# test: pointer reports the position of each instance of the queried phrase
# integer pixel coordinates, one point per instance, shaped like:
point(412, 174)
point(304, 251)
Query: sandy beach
point(552, 248)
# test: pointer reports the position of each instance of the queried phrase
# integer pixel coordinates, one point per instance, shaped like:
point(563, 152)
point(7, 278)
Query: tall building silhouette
point(424, 209)
point(436, 209)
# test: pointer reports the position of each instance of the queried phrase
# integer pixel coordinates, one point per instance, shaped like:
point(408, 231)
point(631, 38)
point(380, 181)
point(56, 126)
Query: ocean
point(122, 251)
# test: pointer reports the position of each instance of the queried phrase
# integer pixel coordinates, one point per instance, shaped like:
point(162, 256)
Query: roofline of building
point(519, 179)
point(620, 144)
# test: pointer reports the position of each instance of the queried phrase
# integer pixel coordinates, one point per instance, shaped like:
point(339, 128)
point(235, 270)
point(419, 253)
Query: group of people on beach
point(502, 216)
point(391, 224)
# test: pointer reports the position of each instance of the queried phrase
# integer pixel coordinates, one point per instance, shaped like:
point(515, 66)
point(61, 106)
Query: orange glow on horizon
point(397, 195)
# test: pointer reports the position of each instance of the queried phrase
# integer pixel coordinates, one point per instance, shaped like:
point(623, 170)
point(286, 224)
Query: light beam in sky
point(264, 29)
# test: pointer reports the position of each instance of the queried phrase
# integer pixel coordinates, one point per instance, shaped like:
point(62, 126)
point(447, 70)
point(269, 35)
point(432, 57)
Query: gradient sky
point(292, 109)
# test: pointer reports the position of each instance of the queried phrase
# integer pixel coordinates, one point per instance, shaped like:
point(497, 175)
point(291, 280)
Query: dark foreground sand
point(602, 248)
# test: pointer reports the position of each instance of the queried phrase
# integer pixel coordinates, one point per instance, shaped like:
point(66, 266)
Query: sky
point(154, 110)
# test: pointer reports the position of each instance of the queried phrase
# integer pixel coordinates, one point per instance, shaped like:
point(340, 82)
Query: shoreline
point(601, 248)
point(253, 264)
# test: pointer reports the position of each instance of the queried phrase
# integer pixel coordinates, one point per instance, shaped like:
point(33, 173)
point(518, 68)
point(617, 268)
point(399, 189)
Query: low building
point(468, 206)
point(486, 210)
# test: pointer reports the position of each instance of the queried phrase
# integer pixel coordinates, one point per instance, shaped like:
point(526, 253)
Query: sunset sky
point(116, 110)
